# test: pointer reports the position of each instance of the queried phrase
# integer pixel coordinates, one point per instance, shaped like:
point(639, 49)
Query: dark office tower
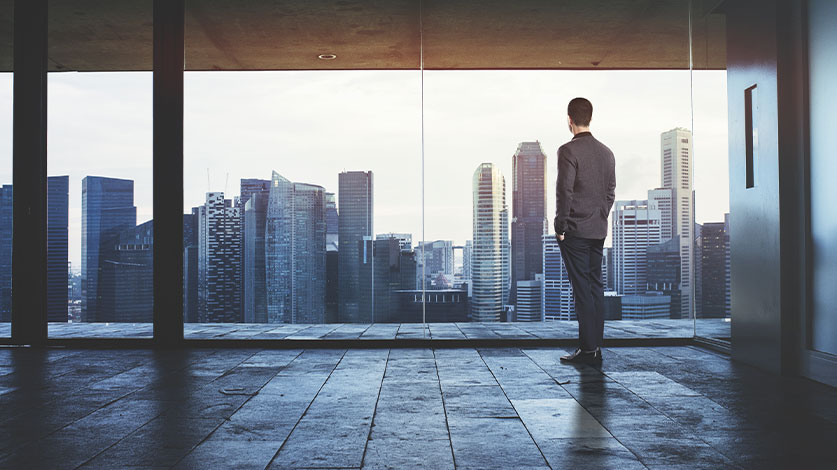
point(714, 240)
point(249, 187)
point(58, 204)
point(355, 200)
point(107, 208)
point(332, 221)
point(190, 266)
point(6, 210)
point(219, 261)
point(126, 280)
point(295, 252)
point(727, 268)
point(528, 213)
point(393, 269)
point(255, 302)
point(331, 284)
point(663, 273)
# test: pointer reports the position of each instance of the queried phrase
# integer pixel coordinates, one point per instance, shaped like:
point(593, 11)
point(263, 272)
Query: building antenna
point(226, 182)
point(208, 186)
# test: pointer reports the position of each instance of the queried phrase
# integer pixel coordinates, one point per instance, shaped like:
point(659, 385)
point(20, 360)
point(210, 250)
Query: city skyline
point(308, 122)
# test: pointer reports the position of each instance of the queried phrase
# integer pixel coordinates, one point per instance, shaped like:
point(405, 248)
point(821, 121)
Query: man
point(585, 193)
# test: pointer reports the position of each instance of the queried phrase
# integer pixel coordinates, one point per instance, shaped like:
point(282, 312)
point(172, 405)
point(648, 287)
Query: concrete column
point(29, 257)
point(168, 171)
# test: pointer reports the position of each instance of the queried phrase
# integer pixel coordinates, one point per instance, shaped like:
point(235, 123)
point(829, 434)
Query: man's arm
point(564, 189)
point(611, 190)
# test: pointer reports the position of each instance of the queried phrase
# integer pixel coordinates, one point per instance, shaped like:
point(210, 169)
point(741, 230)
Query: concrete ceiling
point(111, 35)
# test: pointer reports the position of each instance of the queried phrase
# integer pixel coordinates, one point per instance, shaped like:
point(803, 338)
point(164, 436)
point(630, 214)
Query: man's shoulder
point(586, 143)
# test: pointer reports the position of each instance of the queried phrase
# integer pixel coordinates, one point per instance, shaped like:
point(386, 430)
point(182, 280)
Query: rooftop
point(440, 333)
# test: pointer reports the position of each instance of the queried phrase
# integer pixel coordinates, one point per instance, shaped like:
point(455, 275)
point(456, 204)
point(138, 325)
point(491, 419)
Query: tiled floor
point(656, 408)
point(621, 329)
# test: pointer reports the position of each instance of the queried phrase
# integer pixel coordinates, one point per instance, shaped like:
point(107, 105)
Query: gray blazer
point(586, 187)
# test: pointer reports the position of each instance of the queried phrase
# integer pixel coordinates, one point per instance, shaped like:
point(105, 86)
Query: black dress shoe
point(582, 357)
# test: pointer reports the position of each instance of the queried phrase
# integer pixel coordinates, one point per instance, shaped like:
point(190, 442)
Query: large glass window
point(364, 183)
point(100, 221)
point(6, 191)
point(6, 209)
point(713, 305)
point(491, 162)
point(302, 189)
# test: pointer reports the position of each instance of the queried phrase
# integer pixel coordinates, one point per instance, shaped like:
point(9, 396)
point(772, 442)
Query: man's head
point(579, 113)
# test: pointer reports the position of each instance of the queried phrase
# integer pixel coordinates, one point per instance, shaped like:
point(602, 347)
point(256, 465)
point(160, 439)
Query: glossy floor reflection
point(661, 407)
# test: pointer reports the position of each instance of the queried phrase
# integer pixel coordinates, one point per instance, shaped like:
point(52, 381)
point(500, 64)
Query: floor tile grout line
point(160, 414)
point(546, 461)
point(226, 420)
point(585, 408)
point(306, 409)
point(375, 410)
point(444, 407)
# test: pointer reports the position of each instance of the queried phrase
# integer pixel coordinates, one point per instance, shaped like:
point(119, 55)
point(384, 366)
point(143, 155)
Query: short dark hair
point(581, 111)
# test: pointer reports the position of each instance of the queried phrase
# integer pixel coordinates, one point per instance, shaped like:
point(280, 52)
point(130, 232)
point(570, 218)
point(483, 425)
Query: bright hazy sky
point(309, 126)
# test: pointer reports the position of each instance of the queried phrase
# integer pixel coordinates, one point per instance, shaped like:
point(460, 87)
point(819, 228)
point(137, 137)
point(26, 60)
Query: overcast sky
point(309, 126)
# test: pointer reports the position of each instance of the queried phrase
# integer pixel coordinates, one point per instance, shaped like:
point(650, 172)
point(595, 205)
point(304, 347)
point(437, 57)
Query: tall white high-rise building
point(556, 290)
point(663, 199)
point(490, 260)
point(636, 225)
point(676, 166)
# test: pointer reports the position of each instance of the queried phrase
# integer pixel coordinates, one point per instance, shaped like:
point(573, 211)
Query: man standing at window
point(584, 195)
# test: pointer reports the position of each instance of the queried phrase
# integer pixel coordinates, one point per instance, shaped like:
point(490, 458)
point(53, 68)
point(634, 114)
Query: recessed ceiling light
point(327, 56)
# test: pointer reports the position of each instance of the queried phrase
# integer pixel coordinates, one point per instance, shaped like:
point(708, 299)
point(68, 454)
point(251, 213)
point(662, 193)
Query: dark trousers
point(583, 259)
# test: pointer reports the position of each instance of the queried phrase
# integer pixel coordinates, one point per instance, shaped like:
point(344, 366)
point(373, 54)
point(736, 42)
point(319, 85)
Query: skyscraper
point(405, 240)
point(355, 203)
point(58, 204)
point(557, 292)
point(126, 279)
point(529, 300)
point(394, 269)
point(663, 272)
point(295, 252)
point(248, 187)
point(255, 293)
point(528, 212)
point(6, 211)
point(714, 241)
point(219, 260)
point(663, 199)
point(332, 221)
point(676, 170)
point(107, 208)
point(636, 226)
point(489, 260)
point(607, 269)
point(190, 265)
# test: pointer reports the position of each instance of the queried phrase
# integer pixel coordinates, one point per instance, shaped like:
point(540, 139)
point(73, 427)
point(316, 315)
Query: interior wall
point(755, 243)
